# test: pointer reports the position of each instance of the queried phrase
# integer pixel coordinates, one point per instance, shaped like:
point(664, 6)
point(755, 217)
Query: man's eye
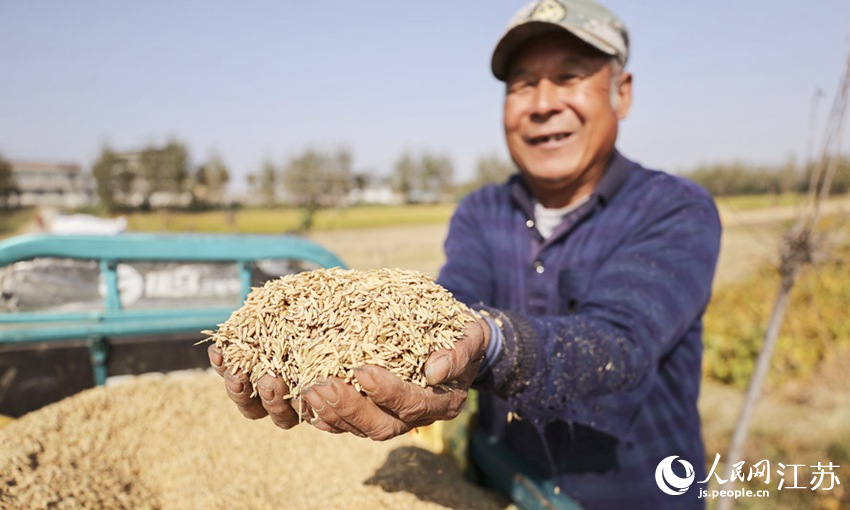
point(520, 85)
point(567, 78)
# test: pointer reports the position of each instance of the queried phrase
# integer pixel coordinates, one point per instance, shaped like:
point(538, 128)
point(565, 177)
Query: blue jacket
point(602, 326)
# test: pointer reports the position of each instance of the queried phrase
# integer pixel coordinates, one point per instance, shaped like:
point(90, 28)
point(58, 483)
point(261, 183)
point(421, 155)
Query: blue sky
point(729, 80)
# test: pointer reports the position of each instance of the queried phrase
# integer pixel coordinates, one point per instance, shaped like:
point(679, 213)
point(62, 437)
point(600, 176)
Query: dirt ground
point(418, 247)
point(752, 237)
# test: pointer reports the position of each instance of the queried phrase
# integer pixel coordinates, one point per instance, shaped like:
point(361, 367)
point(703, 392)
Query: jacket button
point(538, 266)
point(529, 223)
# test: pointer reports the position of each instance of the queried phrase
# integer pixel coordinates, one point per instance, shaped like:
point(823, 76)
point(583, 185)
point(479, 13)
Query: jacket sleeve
point(597, 365)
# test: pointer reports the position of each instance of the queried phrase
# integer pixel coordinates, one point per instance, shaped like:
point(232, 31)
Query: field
point(804, 417)
point(282, 220)
point(15, 222)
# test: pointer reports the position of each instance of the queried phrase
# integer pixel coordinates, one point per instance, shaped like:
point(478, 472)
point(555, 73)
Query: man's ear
point(624, 95)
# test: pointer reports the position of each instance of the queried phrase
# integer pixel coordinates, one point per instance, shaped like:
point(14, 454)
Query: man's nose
point(547, 100)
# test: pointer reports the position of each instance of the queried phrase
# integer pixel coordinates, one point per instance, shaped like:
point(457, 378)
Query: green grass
point(13, 222)
point(736, 319)
point(278, 220)
point(753, 202)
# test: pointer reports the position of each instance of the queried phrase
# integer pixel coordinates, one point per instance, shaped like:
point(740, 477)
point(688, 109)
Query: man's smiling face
point(561, 116)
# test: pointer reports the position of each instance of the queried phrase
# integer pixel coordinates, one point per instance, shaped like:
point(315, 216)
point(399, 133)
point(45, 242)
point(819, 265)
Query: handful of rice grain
point(327, 322)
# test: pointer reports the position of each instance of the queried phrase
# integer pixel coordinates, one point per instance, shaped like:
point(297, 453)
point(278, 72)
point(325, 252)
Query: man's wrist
point(493, 346)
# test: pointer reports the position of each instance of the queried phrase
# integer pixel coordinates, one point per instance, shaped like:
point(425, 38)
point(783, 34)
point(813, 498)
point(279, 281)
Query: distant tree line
point(159, 176)
point(7, 183)
point(315, 179)
point(325, 177)
point(165, 176)
point(424, 178)
point(743, 179)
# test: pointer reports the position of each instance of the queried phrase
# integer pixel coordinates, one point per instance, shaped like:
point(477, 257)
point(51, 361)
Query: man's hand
point(269, 399)
point(390, 406)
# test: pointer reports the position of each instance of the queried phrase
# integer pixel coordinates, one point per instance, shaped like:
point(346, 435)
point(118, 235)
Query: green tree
point(840, 180)
point(211, 181)
point(428, 178)
point(360, 181)
point(437, 175)
point(7, 183)
point(164, 170)
point(316, 180)
point(492, 169)
point(489, 169)
point(788, 175)
point(724, 179)
point(742, 179)
point(404, 174)
point(268, 184)
point(114, 179)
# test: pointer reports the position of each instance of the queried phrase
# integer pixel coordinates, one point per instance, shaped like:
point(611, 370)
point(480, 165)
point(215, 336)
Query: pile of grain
point(327, 322)
point(179, 443)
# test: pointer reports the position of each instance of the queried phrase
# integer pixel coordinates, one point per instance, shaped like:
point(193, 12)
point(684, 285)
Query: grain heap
point(327, 322)
point(173, 443)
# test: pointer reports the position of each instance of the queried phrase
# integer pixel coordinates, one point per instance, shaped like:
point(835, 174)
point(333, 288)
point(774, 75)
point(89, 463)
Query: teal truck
point(76, 309)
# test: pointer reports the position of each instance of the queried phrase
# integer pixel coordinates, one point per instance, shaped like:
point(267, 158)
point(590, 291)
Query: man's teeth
point(544, 139)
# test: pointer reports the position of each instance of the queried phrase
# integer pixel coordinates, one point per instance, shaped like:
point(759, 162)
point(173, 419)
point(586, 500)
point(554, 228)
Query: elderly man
point(591, 272)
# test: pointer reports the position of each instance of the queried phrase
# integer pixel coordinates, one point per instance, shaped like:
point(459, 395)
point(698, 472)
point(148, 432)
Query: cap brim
point(514, 38)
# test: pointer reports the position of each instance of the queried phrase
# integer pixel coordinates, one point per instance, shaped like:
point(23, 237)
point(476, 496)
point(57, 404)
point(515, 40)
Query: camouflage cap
point(585, 19)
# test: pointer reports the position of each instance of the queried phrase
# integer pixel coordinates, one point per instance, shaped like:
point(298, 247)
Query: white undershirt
point(547, 220)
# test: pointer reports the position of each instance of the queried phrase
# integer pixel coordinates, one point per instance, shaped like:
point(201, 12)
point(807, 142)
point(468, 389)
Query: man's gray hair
point(616, 72)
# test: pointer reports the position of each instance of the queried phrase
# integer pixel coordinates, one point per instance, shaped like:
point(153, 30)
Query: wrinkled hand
point(269, 400)
point(390, 406)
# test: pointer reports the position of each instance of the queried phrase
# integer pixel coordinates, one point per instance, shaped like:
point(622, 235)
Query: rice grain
point(325, 323)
